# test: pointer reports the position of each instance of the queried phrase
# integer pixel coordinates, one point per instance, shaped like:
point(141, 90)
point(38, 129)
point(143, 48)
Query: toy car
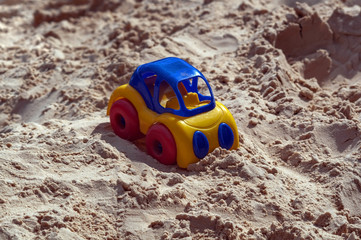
point(172, 103)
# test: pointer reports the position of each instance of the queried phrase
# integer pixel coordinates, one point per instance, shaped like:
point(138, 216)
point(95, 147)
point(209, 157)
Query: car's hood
point(206, 119)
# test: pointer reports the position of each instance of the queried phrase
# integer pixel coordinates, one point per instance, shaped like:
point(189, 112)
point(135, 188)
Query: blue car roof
point(172, 70)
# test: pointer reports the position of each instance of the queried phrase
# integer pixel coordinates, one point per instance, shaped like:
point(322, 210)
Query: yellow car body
point(182, 128)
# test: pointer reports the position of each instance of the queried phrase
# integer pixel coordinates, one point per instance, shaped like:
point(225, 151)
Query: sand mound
point(323, 49)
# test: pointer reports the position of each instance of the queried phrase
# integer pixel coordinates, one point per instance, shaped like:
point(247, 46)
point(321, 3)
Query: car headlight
point(225, 136)
point(200, 144)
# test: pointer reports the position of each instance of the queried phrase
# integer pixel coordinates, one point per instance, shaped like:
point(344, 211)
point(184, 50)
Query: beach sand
point(290, 73)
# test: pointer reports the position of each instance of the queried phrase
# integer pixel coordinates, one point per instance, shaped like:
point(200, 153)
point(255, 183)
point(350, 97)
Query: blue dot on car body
point(225, 136)
point(200, 144)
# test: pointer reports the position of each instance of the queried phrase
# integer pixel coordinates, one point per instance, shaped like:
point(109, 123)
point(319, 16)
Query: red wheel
point(161, 145)
point(124, 119)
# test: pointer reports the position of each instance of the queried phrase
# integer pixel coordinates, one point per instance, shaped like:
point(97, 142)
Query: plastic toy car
point(172, 103)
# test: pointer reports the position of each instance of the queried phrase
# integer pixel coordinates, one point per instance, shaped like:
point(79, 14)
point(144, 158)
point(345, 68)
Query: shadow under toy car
point(172, 103)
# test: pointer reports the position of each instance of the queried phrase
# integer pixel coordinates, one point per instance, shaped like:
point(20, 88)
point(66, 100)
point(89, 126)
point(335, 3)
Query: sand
point(289, 72)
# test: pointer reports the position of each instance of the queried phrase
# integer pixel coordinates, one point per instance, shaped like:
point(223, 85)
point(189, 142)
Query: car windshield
point(195, 92)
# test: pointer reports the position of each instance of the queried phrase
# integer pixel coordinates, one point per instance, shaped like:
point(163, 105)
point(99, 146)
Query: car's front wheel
point(161, 144)
point(124, 120)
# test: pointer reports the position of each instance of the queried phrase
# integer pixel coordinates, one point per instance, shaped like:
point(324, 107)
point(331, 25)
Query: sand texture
point(289, 72)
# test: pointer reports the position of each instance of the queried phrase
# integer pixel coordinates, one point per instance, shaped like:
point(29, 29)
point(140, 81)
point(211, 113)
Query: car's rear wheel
point(124, 119)
point(161, 144)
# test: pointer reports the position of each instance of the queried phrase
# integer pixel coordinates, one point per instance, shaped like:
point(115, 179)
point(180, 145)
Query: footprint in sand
point(225, 43)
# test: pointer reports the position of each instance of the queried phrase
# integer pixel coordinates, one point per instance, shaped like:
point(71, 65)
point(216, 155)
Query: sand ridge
point(289, 73)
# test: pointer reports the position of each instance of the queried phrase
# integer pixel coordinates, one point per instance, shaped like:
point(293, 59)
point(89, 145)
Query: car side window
point(149, 80)
point(167, 96)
